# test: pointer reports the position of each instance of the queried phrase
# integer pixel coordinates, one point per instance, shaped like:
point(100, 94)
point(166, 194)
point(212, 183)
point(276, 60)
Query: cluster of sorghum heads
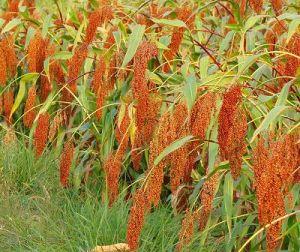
point(184, 14)
point(232, 129)
point(147, 102)
point(275, 161)
point(113, 163)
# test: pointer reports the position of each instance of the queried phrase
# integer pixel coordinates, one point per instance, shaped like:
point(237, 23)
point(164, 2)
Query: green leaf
point(29, 36)
point(251, 22)
point(190, 90)
point(62, 55)
point(2, 21)
point(293, 26)
point(21, 93)
point(11, 24)
point(174, 22)
point(46, 25)
point(134, 41)
point(283, 94)
point(204, 62)
point(226, 41)
point(172, 147)
point(228, 199)
point(270, 117)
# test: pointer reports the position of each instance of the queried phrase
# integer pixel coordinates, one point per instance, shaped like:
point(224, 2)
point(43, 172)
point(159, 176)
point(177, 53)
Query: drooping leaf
point(172, 147)
point(270, 117)
point(11, 24)
point(31, 77)
point(134, 41)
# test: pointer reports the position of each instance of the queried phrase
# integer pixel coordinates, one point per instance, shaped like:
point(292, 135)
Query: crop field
point(149, 125)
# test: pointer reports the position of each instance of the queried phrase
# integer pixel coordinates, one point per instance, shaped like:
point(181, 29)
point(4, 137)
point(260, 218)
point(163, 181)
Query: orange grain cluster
point(292, 62)
point(96, 19)
point(139, 209)
point(184, 14)
point(288, 67)
point(278, 6)
point(55, 124)
point(256, 5)
point(12, 10)
point(101, 85)
point(3, 70)
point(155, 174)
point(148, 103)
point(274, 33)
point(74, 68)
point(8, 102)
point(8, 59)
point(187, 230)
point(179, 159)
point(36, 53)
point(201, 114)
point(55, 73)
point(232, 129)
point(207, 197)
point(236, 144)
point(66, 162)
point(113, 163)
point(112, 168)
point(30, 111)
point(274, 163)
point(41, 133)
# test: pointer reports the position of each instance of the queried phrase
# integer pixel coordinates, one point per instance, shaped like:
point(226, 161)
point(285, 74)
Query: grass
point(36, 214)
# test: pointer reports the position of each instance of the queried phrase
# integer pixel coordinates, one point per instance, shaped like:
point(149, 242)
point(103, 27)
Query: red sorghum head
point(66, 162)
point(256, 5)
point(41, 133)
point(207, 196)
point(139, 209)
point(8, 102)
point(30, 111)
point(36, 53)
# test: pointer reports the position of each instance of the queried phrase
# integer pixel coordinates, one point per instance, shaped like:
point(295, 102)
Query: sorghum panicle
point(55, 124)
point(147, 107)
point(3, 71)
point(272, 35)
point(41, 133)
point(36, 53)
point(277, 6)
point(66, 162)
point(155, 174)
point(179, 159)
point(187, 230)
point(274, 164)
point(184, 14)
point(256, 5)
point(98, 78)
point(236, 143)
point(96, 19)
point(207, 196)
point(293, 63)
point(201, 114)
point(139, 209)
point(74, 67)
point(228, 141)
point(30, 111)
point(8, 102)
point(10, 57)
point(112, 168)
